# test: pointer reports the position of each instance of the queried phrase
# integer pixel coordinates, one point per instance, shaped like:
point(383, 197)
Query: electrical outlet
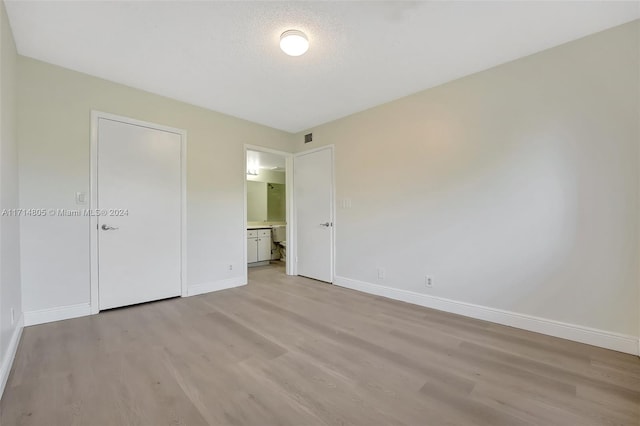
point(231, 267)
point(380, 273)
point(428, 281)
point(13, 316)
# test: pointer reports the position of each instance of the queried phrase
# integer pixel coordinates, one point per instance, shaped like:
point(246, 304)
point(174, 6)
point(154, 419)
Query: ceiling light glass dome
point(294, 42)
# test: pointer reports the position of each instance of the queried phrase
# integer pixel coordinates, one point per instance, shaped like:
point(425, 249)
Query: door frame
point(93, 221)
point(332, 150)
point(289, 214)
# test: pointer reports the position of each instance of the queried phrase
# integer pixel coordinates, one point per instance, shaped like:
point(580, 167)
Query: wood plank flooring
point(292, 351)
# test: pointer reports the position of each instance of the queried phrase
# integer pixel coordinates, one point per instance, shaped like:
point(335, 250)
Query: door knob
point(326, 224)
point(106, 227)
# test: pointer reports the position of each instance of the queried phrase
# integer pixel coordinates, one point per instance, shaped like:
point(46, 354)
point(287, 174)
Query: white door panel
point(252, 250)
point(313, 189)
point(264, 248)
point(139, 170)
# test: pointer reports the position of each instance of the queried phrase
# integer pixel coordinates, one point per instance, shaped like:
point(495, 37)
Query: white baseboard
point(604, 339)
point(195, 289)
point(56, 314)
point(83, 309)
point(10, 354)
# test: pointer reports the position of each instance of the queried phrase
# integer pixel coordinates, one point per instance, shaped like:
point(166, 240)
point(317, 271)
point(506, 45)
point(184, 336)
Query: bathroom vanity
point(258, 246)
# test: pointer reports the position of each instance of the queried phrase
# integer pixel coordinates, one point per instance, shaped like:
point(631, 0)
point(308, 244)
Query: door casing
point(93, 222)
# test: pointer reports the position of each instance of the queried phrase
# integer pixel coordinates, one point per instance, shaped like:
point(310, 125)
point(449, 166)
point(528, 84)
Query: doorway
point(268, 208)
point(138, 210)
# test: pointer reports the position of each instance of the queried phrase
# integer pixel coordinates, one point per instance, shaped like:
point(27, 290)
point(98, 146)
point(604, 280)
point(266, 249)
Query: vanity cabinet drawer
point(264, 233)
point(252, 233)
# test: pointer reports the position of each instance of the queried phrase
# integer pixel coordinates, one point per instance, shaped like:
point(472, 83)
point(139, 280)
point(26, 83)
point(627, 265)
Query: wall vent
point(308, 137)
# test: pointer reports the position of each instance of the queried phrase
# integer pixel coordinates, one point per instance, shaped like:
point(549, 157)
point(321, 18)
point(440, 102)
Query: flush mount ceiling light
point(294, 42)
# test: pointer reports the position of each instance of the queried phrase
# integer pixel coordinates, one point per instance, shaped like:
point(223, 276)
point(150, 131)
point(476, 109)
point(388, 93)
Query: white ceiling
point(225, 56)
point(265, 160)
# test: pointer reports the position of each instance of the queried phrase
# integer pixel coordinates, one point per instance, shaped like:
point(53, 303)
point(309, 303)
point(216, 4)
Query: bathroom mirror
point(276, 202)
point(256, 201)
point(266, 202)
point(266, 195)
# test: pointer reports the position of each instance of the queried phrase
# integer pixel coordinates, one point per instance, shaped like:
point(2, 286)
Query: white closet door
point(313, 189)
point(139, 173)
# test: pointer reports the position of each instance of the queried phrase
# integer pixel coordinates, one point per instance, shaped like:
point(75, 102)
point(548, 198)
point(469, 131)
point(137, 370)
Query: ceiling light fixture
point(294, 42)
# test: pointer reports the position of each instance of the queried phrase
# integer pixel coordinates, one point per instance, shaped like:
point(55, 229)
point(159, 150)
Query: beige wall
point(54, 124)
point(10, 292)
point(515, 188)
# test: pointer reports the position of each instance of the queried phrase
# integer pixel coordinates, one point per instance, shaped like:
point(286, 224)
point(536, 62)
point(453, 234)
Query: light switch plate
point(81, 198)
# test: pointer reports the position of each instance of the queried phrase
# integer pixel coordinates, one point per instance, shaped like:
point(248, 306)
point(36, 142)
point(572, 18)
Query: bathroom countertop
point(265, 226)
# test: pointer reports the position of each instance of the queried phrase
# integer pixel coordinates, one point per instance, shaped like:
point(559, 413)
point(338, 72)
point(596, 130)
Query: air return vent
point(308, 137)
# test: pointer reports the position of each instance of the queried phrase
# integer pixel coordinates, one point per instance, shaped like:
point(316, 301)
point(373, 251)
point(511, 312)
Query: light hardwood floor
point(292, 351)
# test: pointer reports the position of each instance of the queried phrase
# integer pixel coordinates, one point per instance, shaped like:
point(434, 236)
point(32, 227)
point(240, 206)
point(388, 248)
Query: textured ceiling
point(225, 56)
